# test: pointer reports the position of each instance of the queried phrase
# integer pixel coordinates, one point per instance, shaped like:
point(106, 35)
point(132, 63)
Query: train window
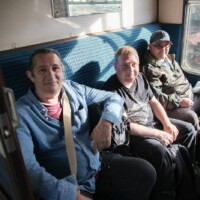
point(191, 43)
point(64, 8)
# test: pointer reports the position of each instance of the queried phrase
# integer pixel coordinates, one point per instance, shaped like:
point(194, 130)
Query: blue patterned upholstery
point(87, 60)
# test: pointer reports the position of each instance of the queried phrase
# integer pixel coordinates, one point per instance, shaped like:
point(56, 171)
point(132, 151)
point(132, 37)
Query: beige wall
point(170, 11)
point(29, 22)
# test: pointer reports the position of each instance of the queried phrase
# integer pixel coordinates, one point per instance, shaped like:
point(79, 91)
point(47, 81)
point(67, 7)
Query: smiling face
point(161, 50)
point(127, 67)
point(46, 75)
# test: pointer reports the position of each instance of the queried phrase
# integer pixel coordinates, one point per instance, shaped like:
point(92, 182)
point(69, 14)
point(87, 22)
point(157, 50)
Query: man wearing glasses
point(168, 81)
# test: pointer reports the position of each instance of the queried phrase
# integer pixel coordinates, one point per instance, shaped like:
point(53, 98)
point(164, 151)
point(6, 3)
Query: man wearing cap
point(168, 81)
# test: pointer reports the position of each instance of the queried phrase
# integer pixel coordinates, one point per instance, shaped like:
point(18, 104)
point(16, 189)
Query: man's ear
point(115, 65)
point(29, 74)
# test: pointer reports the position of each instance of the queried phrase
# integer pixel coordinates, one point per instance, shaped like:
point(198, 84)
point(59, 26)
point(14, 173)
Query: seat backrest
point(86, 60)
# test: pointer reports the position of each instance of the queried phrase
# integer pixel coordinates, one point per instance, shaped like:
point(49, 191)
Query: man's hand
point(186, 103)
point(164, 137)
point(101, 135)
point(171, 129)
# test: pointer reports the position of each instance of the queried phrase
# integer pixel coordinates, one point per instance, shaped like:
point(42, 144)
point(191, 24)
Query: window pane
point(64, 8)
point(191, 45)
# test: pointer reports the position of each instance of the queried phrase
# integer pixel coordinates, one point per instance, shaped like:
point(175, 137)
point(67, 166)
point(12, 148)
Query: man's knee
point(185, 114)
point(157, 154)
point(125, 177)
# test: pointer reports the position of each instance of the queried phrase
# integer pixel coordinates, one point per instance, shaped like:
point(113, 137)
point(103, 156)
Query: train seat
point(87, 60)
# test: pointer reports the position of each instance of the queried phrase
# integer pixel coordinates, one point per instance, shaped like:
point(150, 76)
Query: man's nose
point(130, 68)
point(50, 72)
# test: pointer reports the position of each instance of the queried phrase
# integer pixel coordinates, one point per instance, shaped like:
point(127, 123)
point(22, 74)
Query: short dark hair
point(41, 51)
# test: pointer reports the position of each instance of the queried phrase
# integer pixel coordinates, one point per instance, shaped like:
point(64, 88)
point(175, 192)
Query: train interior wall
point(88, 57)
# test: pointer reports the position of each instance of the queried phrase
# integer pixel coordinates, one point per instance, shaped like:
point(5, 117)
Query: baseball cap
point(160, 36)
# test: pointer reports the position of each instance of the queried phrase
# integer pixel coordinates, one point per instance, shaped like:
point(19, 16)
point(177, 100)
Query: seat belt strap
point(69, 141)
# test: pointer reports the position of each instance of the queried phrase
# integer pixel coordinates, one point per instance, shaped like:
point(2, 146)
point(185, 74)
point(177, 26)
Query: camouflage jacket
point(167, 80)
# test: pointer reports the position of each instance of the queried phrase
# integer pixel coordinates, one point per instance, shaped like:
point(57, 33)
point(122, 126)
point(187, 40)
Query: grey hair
point(42, 51)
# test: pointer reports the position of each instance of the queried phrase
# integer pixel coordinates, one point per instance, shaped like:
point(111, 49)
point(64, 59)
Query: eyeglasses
point(159, 46)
